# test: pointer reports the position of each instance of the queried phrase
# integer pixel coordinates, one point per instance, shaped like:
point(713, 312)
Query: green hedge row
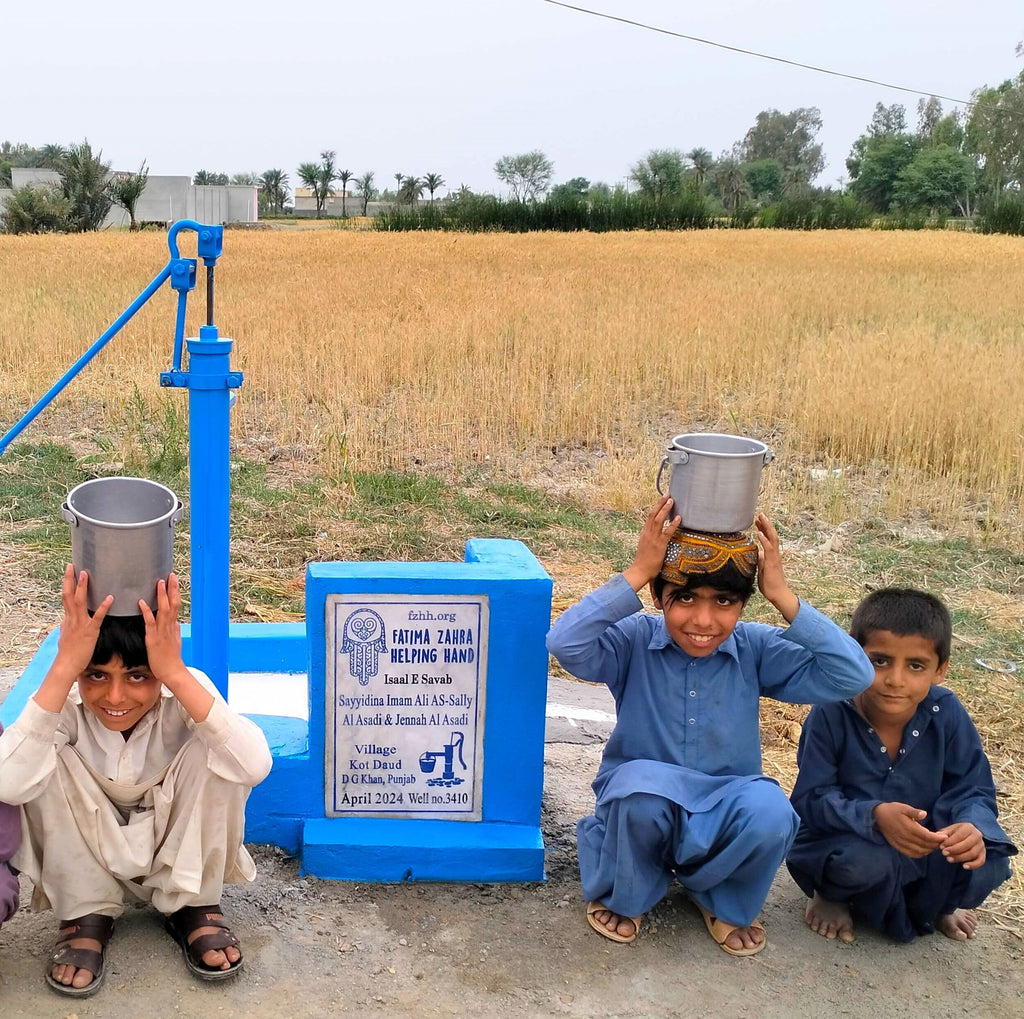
point(691, 211)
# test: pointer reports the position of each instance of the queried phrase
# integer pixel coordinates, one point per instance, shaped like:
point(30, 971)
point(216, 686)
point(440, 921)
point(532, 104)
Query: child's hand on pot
point(770, 576)
point(163, 632)
point(78, 630)
point(163, 647)
point(654, 538)
point(76, 642)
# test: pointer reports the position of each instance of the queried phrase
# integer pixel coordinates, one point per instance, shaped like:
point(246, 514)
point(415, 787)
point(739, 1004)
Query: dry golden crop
point(886, 364)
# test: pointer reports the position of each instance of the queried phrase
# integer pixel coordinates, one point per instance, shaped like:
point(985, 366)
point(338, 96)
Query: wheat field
point(888, 363)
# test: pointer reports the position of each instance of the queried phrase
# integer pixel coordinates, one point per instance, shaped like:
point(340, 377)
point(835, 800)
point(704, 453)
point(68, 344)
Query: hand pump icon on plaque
point(428, 760)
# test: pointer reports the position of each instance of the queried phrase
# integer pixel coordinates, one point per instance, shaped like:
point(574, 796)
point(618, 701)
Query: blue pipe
point(56, 388)
point(209, 403)
point(179, 331)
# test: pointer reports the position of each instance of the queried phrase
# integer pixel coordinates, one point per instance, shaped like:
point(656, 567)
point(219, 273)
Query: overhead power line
point(761, 56)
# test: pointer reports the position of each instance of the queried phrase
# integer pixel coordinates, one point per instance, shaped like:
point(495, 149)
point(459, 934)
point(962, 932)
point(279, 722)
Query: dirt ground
point(322, 948)
point(319, 948)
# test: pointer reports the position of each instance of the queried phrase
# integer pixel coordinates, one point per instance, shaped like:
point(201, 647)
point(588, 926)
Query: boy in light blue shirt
point(680, 792)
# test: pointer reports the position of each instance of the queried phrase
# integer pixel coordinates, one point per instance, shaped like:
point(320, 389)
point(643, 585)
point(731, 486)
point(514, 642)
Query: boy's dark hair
point(907, 613)
point(124, 636)
point(728, 580)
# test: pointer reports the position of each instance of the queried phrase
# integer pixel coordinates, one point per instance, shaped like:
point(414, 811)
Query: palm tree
point(411, 191)
point(273, 186)
point(126, 190)
point(35, 209)
point(320, 178)
point(365, 188)
point(732, 184)
point(202, 177)
point(702, 162)
point(50, 155)
point(308, 174)
point(344, 176)
point(328, 175)
point(432, 181)
point(399, 177)
point(84, 179)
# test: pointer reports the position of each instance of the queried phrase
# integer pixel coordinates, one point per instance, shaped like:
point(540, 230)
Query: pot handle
point(177, 514)
point(657, 480)
point(68, 515)
point(769, 456)
point(674, 457)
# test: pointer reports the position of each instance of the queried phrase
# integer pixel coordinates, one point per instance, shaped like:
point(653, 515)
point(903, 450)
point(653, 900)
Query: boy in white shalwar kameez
point(131, 773)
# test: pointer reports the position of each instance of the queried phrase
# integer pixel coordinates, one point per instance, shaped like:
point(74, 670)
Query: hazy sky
point(397, 86)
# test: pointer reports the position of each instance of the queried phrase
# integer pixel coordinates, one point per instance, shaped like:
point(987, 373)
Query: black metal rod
point(209, 295)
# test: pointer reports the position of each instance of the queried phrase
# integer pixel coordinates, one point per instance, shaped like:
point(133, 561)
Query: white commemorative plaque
point(406, 690)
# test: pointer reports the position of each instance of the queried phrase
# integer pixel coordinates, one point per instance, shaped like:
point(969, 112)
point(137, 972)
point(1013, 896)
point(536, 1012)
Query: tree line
point(948, 164)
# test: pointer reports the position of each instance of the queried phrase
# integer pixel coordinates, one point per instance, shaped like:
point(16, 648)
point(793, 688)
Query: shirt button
point(693, 721)
point(902, 750)
point(882, 749)
point(915, 733)
point(693, 693)
point(935, 707)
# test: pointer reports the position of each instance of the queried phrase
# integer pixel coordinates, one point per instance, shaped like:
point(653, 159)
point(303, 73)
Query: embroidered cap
point(697, 552)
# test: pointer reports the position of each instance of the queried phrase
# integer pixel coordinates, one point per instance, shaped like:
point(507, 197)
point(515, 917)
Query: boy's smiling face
point(117, 696)
point(699, 619)
point(905, 669)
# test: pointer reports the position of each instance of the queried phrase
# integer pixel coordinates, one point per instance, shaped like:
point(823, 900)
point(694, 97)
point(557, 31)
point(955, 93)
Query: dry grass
point(892, 356)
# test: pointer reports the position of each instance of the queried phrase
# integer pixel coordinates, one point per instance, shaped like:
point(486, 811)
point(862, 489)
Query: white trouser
point(173, 841)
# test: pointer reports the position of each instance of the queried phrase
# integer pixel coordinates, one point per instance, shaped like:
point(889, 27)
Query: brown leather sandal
point(92, 925)
point(184, 921)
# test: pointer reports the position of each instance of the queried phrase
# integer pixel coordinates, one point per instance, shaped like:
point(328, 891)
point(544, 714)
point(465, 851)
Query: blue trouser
point(897, 895)
point(726, 857)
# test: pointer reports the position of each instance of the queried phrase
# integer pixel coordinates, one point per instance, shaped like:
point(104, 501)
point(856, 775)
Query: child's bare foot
point(960, 925)
point(830, 919)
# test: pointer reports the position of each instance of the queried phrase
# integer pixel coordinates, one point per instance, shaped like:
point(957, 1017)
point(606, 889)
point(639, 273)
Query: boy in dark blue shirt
point(895, 794)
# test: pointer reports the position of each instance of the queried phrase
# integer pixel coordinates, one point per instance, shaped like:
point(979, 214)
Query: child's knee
point(861, 864)
point(985, 880)
point(767, 814)
point(191, 766)
point(647, 810)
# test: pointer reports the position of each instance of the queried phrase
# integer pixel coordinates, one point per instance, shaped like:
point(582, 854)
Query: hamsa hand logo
point(363, 640)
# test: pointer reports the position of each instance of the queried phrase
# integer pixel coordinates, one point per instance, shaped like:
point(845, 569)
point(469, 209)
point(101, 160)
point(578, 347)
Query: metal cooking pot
point(715, 480)
point(122, 532)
